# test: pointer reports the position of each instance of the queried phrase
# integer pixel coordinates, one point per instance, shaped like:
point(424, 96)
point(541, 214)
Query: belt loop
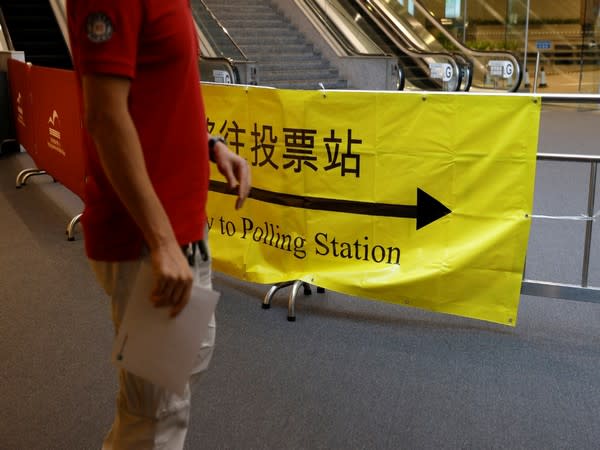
point(189, 253)
point(189, 250)
point(203, 250)
point(192, 258)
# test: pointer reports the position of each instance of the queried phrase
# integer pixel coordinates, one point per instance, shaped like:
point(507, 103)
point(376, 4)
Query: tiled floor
point(568, 79)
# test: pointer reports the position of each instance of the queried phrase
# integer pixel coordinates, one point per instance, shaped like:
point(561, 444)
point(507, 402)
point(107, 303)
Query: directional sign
point(411, 198)
point(427, 209)
point(543, 45)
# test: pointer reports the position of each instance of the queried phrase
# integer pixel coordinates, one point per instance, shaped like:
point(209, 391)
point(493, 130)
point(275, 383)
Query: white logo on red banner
point(54, 133)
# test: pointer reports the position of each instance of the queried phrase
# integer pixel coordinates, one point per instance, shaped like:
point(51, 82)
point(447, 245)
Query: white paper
point(157, 347)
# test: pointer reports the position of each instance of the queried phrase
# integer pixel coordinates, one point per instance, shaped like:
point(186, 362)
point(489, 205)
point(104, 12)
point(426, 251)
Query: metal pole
point(588, 226)
point(506, 22)
point(537, 68)
point(583, 32)
point(465, 23)
point(526, 36)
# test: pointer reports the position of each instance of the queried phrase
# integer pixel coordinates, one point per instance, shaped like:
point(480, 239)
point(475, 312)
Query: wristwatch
point(211, 146)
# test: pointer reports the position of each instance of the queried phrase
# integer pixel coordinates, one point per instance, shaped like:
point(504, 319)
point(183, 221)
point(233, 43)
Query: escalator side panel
point(33, 29)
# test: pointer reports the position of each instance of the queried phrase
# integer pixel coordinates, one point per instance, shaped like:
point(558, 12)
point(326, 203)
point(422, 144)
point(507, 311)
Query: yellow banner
point(419, 199)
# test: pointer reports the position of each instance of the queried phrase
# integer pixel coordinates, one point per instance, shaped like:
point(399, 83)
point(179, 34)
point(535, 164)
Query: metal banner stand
point(296, 284)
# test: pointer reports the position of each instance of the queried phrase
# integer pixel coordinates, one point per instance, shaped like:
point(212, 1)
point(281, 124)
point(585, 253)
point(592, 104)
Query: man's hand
point(173, 278)
point(235, 169)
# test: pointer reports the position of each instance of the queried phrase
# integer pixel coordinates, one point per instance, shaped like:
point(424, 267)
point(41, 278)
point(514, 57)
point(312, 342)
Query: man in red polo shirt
point(147, 179)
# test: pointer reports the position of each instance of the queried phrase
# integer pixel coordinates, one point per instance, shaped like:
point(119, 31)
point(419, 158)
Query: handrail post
point(537, 69)
point(589, 225)
point(526, 36)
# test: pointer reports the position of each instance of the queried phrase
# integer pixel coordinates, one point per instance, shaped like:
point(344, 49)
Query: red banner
point(58, 126)
point(19, 80)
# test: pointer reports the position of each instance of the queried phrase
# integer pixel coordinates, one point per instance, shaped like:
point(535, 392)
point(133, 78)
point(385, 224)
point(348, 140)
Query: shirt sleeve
point(106, 34)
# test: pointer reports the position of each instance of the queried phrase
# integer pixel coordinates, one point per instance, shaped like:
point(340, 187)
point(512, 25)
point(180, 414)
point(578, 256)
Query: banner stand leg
point(71, 227)
point(267, 300)
point(291, 317)
point(25, 174)
point(296, 284)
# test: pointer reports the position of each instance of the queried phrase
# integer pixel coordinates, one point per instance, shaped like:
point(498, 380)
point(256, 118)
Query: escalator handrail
point(223, 29)
point(469, 51)
point(6, 32)
point(59, 8)
point(468, 66)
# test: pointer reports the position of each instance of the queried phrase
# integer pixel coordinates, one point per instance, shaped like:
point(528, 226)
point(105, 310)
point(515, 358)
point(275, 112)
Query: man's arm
point(111, 127)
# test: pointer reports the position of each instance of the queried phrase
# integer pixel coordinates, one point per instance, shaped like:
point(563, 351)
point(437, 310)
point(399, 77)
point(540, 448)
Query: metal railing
point(582, 292)
point(59, 8)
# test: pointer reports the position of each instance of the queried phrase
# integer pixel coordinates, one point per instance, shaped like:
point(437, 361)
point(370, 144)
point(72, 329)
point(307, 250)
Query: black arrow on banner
point(427, 209)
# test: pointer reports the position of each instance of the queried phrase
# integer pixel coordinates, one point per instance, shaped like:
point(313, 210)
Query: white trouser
point(149, 417)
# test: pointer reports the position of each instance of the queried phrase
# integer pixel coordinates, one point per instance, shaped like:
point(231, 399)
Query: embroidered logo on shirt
point(99, 27)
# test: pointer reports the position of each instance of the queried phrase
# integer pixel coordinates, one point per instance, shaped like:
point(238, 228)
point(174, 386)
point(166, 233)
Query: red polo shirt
point(153, 43)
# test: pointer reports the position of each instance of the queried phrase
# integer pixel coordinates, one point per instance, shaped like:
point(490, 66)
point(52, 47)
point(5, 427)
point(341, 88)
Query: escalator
point(416, 69)
point(34, 29)
point(452, 70)
point(352, 43)
point(423, 68)
point(489, 70)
